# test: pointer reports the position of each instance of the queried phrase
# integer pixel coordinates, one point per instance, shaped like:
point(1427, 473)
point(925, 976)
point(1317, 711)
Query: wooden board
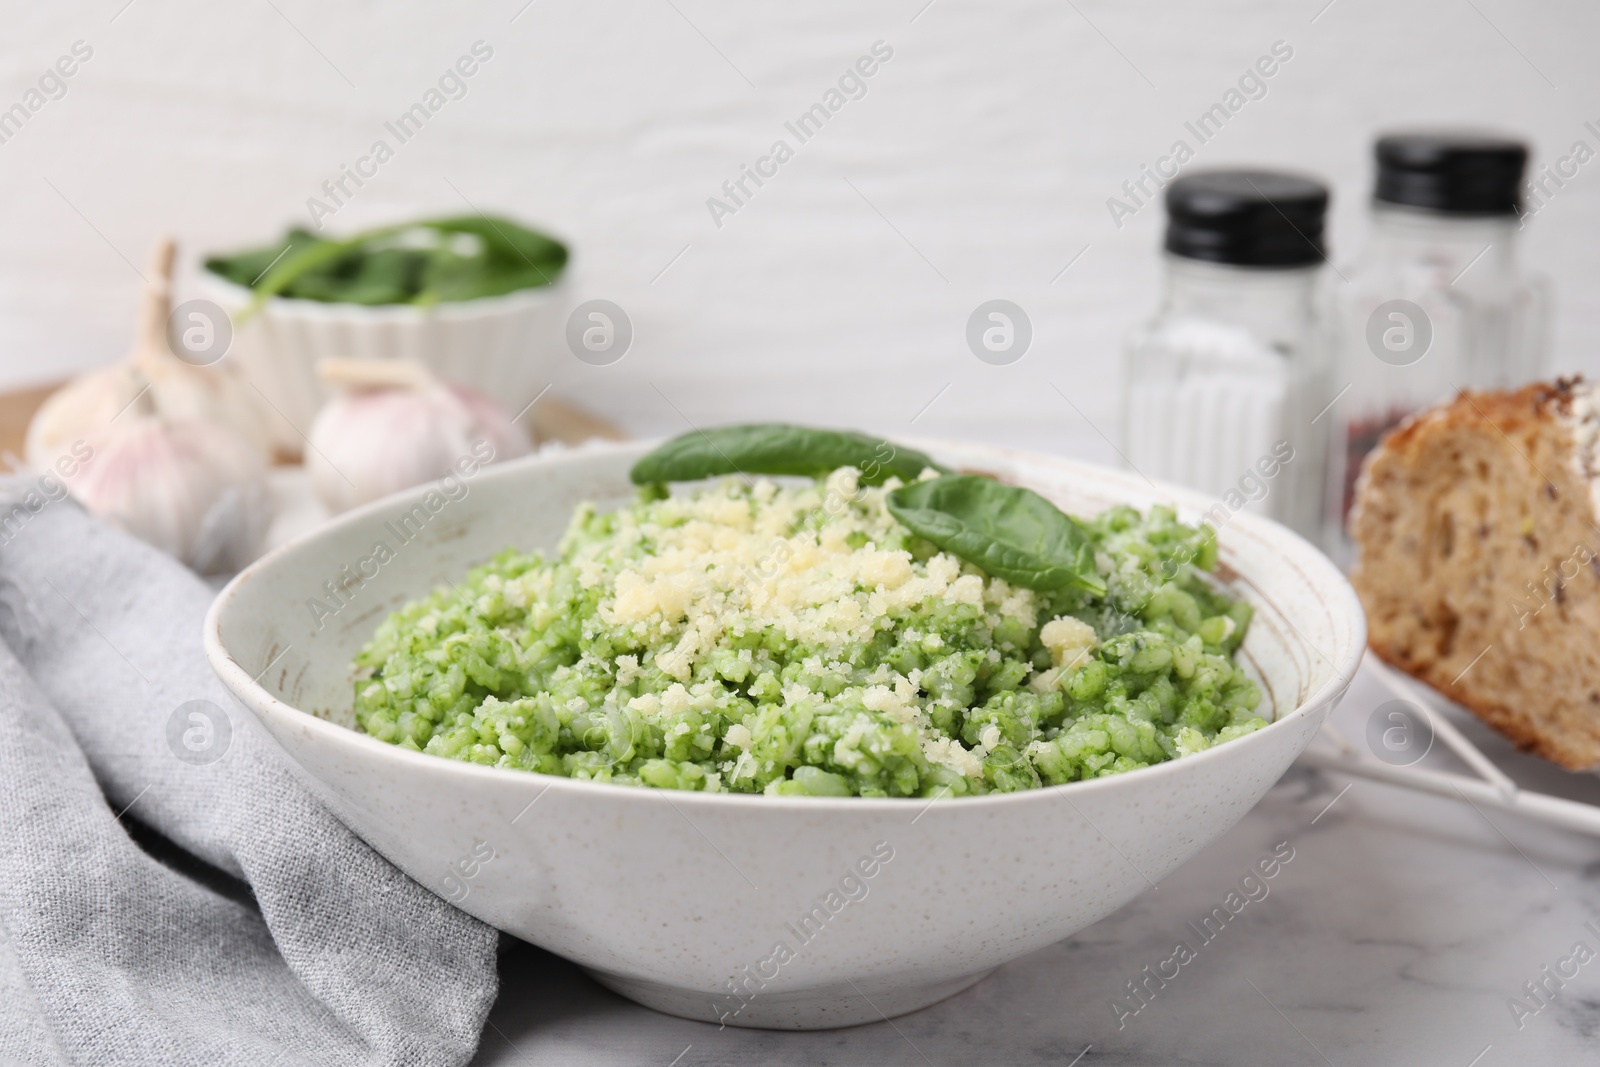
point(16, 411)
point(553, 420)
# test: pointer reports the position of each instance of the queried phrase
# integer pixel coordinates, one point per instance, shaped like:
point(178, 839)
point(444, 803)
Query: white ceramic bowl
point(503, 346)
point(670, 898)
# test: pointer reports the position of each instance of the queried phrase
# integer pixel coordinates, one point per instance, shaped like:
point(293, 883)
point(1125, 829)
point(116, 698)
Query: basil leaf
point(1009, 532)
point(777, 448)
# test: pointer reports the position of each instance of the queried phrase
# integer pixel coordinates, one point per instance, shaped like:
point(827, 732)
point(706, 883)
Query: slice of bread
point(1477, 527)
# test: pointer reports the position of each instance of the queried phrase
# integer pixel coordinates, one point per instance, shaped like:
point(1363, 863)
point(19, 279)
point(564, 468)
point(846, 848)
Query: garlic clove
point(196, 490)
point(506, 436)
point(233, 529)
point(217, 391)
point(393, 425)
point(88, 401)
point(151, 380)
point(210, 394)
point(375, 374)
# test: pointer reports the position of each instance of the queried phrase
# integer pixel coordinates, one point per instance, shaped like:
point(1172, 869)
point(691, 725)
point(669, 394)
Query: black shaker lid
point(1249, 218)
point(1460, 172)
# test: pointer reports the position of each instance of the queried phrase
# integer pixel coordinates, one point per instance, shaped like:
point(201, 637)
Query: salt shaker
point(1223, 388)
point(1438, 301)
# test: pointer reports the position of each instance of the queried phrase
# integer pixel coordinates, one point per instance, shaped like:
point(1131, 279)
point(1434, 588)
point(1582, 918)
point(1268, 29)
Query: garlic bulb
point(393, 425)
point(176, 389)
point(194, 489)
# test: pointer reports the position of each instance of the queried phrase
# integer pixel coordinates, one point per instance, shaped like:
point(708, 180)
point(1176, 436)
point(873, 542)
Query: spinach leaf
point(1009, 532)
point(247, 268)
point(777, 448)
point(465, 258)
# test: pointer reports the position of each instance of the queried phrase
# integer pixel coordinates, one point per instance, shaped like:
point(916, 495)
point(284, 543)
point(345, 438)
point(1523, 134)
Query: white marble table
point(1396, 935)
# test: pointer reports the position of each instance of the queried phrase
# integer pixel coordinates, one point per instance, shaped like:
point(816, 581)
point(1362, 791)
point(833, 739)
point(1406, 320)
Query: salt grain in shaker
point(1222, 390)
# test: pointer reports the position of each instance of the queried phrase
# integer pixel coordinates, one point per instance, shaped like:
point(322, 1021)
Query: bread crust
point(1475, 528)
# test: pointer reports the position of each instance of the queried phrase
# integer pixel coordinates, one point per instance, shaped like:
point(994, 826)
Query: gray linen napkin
point(108, 956)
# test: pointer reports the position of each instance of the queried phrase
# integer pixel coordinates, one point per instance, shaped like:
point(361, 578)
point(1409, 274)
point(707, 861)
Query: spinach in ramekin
point(427, 262)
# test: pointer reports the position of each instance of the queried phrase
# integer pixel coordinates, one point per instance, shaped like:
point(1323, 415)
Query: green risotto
point(749, 637)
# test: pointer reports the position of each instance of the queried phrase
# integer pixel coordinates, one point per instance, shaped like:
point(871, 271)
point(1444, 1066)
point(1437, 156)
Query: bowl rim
point(247, 690)
point(293, 307)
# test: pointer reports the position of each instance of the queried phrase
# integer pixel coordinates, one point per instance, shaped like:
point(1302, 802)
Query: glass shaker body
point(1436, 304)
point(1223, 388)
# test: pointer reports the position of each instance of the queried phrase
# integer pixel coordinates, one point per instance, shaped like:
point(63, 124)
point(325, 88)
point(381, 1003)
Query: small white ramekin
point(503, 346)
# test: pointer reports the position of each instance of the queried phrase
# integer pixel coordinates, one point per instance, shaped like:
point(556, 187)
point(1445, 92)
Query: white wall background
point(989, 145)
